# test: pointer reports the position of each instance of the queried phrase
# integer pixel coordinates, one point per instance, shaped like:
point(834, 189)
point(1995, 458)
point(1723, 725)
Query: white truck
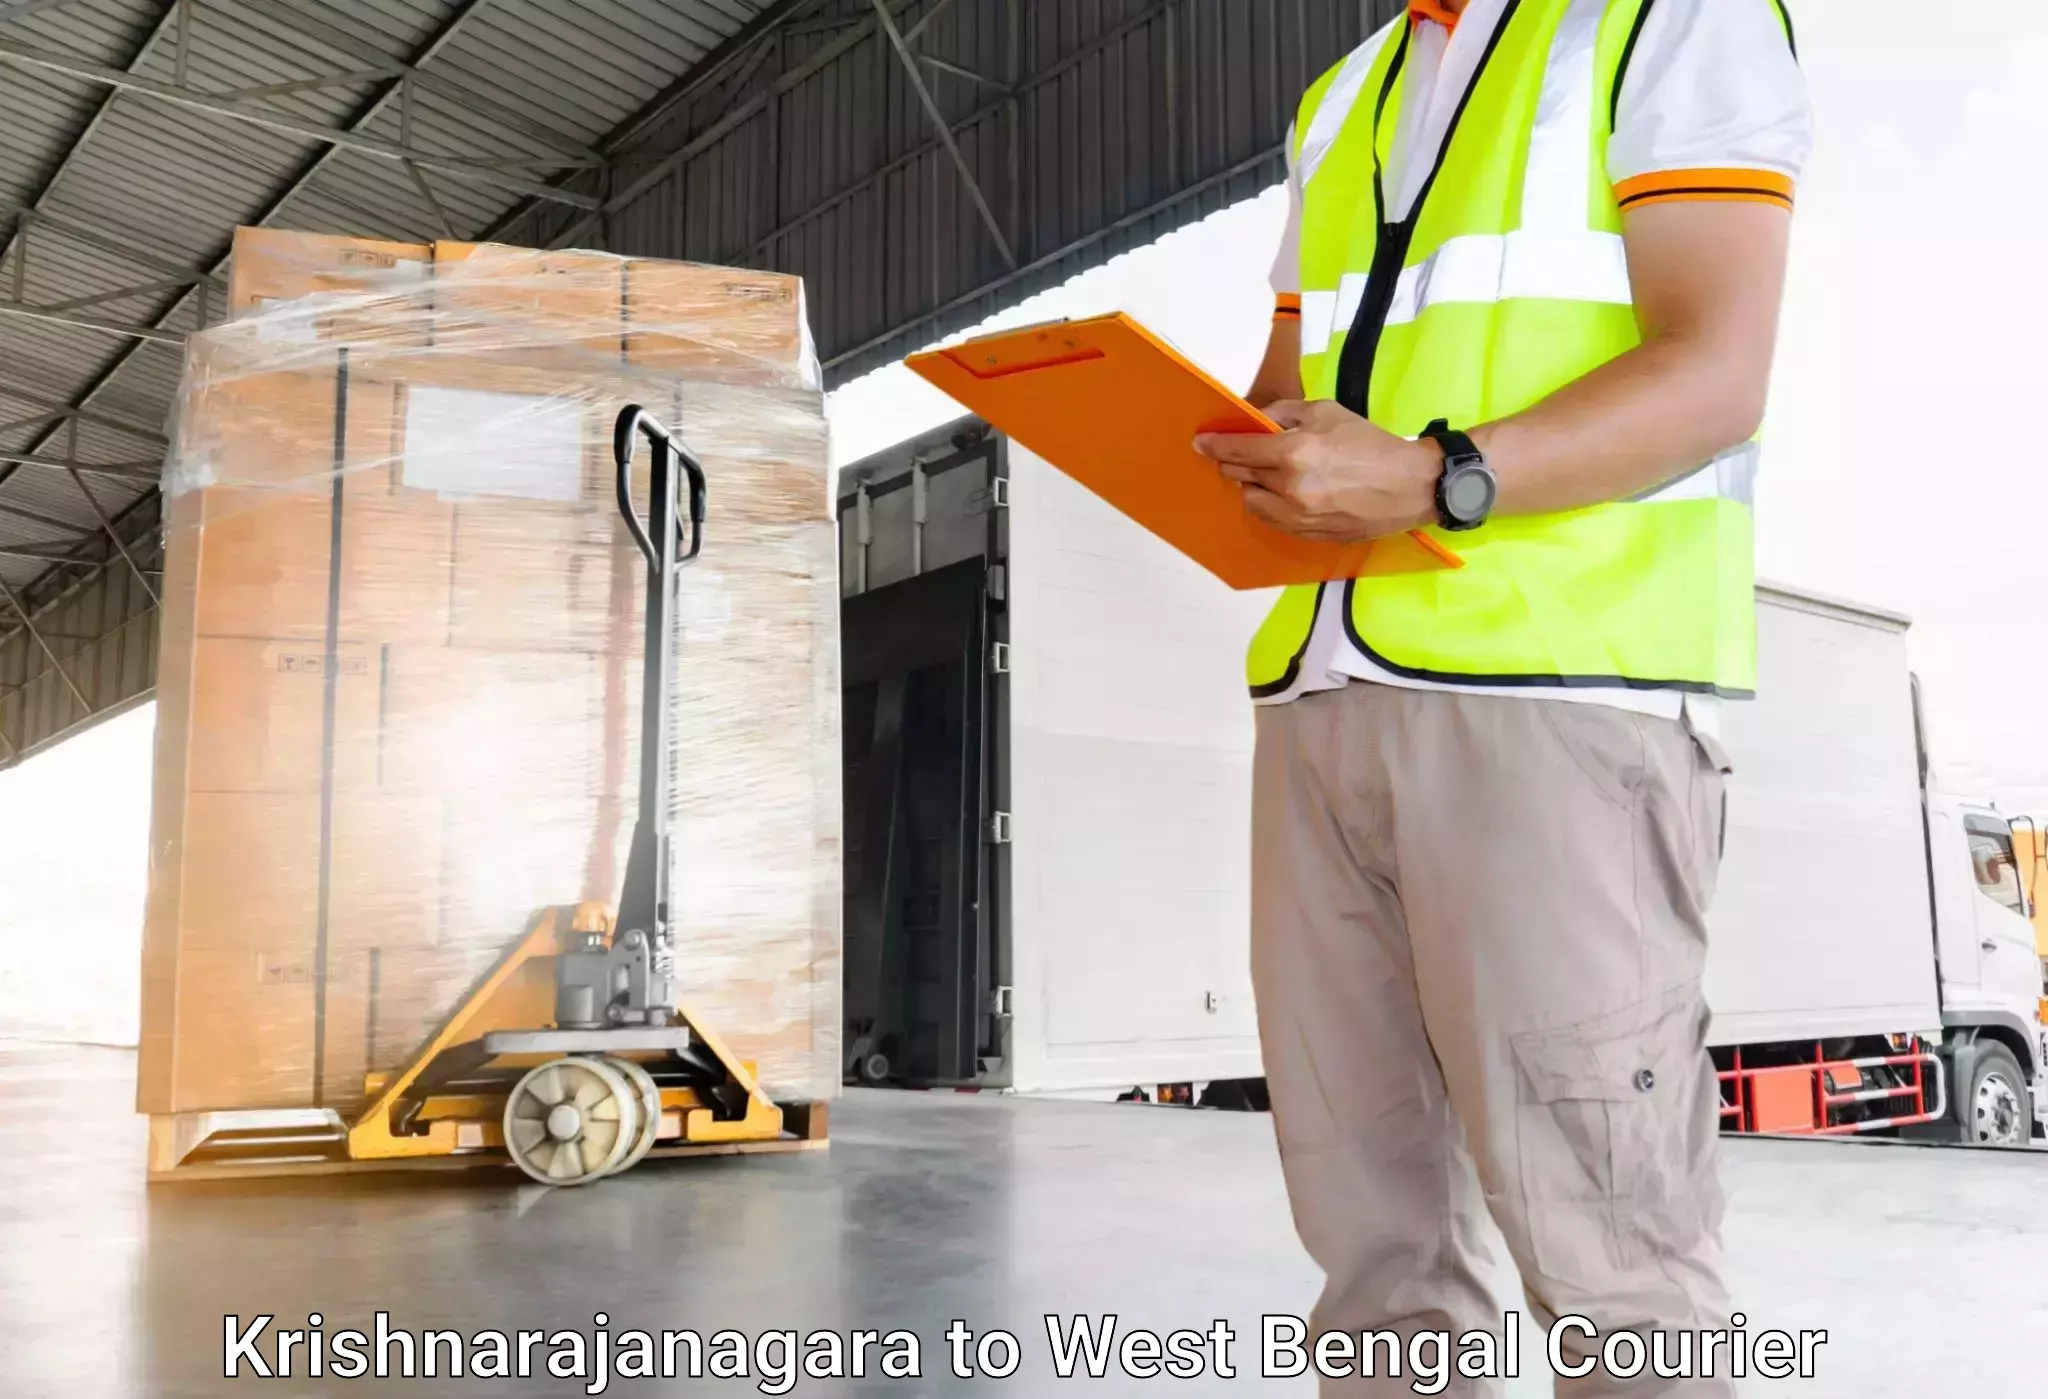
point(1872, 965)
point(1048, 764)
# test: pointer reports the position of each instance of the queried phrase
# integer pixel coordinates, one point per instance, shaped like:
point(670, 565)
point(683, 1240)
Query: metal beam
point(308, 21)
point(135, 511)
point(55, 316)
point(780, 15)
point(149, 471)
point(450, 27)
point(933, 61)
point(63, 554)
point(412, 168)
point(115, 536)
point(1066, 250)
point(434, 208)
point(47, 552)
point(697, 79)
point(22, 612)
point(46, 521)
point(184, 49)
point(17, 239)
point(866, 182)
point(552, 162)
point(824, 24)
point(931, 109)
point(731, 121)
point(327, 80)
point(123, 81)
point(166, 12)
point(925, 20)
point(120, 245)
point(457, 20)
point(1136, 216)
point(56, 408)
point(102, 298)
point(86, 639)
point(985, 112)
point(31, 420)
point(11, 13)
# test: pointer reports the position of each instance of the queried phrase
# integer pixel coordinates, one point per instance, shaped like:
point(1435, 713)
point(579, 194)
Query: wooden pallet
point(174, 1136)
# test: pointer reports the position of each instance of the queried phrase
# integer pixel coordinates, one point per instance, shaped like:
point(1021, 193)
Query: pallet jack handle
point(634, 420)
point(662, 539)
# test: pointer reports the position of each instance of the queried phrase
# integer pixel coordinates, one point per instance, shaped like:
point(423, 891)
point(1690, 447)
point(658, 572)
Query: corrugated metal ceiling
point(162, 183)
point(122, 180)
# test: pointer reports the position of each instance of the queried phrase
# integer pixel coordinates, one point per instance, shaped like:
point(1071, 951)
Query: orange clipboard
point(1117, 409)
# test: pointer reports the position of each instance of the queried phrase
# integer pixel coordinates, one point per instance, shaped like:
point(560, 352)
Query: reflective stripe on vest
point(1481, 268)
point(1335, 104)
point(1511, 282)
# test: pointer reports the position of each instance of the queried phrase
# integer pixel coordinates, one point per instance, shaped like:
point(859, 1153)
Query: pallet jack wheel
point(571, 1121)
point(649, 1101)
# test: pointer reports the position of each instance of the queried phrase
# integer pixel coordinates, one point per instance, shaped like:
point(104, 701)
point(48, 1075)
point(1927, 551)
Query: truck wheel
point(1994, 1112)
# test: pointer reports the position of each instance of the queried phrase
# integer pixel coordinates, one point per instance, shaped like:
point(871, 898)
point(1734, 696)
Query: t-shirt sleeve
point(1711, 106)
point(1285, 277)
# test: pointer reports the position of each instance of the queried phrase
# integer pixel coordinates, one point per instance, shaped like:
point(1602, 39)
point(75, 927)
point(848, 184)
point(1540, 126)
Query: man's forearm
point(1642, 419)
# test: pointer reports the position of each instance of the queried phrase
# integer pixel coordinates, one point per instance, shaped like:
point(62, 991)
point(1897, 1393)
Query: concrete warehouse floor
point(1929, 1268)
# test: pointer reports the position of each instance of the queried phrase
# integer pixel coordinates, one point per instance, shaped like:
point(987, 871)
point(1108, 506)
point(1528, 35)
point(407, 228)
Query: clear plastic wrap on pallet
point(399, 684)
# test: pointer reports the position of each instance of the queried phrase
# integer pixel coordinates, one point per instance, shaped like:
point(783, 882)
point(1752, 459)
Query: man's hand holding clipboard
point(1330, 475)
point(1117, 409)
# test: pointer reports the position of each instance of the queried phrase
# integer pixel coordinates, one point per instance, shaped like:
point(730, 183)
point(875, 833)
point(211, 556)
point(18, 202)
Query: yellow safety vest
point(1507, 282)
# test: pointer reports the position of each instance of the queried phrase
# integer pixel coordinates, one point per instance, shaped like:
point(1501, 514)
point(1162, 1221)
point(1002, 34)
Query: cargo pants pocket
point(1711, 768)
point(1604, 743)
point(1602, 1130)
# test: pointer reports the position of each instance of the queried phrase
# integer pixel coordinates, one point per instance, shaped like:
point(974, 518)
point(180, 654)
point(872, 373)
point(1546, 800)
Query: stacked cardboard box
point(399, 686)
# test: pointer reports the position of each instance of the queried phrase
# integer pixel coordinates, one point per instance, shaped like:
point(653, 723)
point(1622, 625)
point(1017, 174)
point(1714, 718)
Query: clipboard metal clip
point(1046, 350)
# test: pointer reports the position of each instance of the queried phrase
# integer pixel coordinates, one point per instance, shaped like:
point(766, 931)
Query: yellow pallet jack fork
point(571, 1054)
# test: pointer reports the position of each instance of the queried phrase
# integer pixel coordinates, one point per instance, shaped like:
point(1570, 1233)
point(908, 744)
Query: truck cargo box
point(1821, 921)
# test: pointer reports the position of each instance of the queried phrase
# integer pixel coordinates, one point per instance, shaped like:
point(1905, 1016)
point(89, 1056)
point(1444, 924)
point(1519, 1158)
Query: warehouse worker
point(1527, 299)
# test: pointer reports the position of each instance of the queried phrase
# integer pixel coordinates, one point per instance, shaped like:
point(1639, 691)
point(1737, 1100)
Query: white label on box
point(703, 606)
point(467, 444)
point(389, 267)
point(280, 322)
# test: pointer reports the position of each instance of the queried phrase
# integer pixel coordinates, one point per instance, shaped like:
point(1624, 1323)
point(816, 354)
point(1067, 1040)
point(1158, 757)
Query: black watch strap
point(1466, 479)
point(1456, 444)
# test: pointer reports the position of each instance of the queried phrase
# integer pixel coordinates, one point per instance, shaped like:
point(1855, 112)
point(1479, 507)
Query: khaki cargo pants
point(1477, 937)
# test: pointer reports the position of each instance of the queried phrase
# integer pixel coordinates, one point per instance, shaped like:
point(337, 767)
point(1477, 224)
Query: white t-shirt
point(1713, 99)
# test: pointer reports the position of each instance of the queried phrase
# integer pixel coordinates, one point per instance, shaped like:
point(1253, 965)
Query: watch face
point(1468, 494)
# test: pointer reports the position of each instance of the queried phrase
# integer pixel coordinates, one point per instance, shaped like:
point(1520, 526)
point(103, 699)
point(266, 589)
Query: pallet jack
point(570, 1054)
point(588, 995)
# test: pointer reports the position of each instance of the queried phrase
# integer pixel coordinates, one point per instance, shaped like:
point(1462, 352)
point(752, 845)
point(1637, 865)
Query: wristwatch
point(1467, 489)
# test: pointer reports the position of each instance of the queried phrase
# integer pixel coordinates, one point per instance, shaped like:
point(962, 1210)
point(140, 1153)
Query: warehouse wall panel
point(101, 640)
